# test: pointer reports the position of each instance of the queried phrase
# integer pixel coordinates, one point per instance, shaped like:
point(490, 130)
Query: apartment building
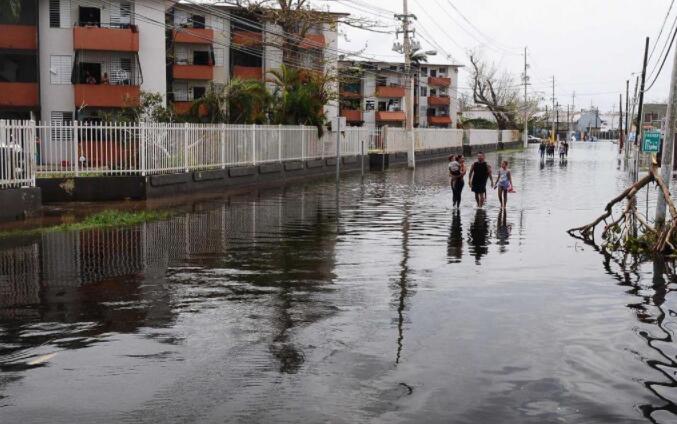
point(373, 94)
point(98, 55)
point(19, 90)
point(214, 44)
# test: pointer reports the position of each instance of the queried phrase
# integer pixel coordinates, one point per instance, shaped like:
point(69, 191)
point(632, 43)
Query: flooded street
point(384, 306)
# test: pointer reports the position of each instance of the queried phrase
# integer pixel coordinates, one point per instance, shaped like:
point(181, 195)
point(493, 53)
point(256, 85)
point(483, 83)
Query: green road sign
point(651, 142)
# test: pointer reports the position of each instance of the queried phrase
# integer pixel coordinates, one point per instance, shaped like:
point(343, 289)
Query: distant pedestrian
point(504, 184)
point(457, 172)
point(541, 149)
point(566, 148)
point(480, 172)
point(562, 151)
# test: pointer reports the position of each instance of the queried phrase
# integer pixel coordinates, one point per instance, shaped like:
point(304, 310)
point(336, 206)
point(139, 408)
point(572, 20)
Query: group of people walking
point(550, 147)
point(480, 173)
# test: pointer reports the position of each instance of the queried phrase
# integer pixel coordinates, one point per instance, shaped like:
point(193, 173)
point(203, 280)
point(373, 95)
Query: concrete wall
point(152, 51)
point(483, 137)
point(19, 203)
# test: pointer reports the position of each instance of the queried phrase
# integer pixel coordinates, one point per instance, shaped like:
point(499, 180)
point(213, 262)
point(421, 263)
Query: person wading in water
point(457, 173)
point(480, 172)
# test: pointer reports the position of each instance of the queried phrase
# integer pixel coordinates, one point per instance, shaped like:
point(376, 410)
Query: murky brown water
point(393, 308)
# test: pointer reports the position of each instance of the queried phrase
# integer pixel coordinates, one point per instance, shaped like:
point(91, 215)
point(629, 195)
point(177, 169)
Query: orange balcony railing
point(439, 81)
point(106, 39)
point(193, 72)
point(247, 72)
point(439, 101)
point(439, 120)
point(19, 94)
point(352, 115)
point(389, 91)
point(105, 95)
point(350, 95)
point(246, 38)
point(183, 108)
point(193, 35)
point(312, 41)
point(391, 116)
point(20, 37)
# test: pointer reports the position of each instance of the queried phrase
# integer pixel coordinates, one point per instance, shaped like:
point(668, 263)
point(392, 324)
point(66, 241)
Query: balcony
point(398, 116)
point(350, 95)
point(312, 41)
point(439, 81)
point(193, 72)
point(439, 120)
point(183, 108)
point(19, 37)
point(439, 101)
point(247, 72)
point(106, 39)
point(105, 95)
point(352, 115)
point(246, 38)
point(194, 35)
point(389, 91)
point(19, 94)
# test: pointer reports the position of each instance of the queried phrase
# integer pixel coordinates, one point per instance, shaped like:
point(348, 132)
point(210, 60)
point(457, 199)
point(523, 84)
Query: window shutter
point(57, 132)
point(54, 14)
point(60, 69)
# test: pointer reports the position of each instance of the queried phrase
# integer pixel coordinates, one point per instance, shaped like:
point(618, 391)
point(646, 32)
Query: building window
point(60, 69)
point(59, 13)
point(198, 21)
point(218, 57)
point(424, 91)
point(58, 133)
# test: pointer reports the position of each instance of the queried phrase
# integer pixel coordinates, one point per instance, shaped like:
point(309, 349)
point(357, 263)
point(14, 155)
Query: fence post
point(185, 146)
point(142, 148)
point(76, 148)
point(279, 142)
point(304, 139)
point(254, 144)
point(223, 146)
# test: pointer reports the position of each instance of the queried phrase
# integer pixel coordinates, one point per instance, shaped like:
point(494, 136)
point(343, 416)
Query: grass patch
point(106, 219)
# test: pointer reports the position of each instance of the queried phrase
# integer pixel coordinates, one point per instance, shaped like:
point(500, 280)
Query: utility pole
point(409, 84)
point(526, 110)
point(668, 142)
point(573, 110)
point(627, 107)
point(556, 122)
point(621, 136)
point(553, 108)
point(641, 95)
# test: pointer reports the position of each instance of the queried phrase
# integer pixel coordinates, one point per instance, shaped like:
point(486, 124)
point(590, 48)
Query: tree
point(249, 102)
point(497, 91)
point(149, 108)
point(210, 108)
point(299, 97)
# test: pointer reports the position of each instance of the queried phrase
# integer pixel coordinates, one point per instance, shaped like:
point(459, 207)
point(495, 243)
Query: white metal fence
point(80, 149)
point(17, 155)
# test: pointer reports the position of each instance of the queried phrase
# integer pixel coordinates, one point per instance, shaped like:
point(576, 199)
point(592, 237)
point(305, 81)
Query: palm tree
point(300, 97)
point(210, 107)
point(248, 102)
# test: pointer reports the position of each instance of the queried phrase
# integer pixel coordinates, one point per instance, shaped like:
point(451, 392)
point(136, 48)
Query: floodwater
point(382, 306)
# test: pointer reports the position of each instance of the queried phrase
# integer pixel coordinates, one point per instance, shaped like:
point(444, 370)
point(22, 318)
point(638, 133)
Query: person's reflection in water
point(503, 230)
point(455, 243)
point(542, 164)
point(478, 235)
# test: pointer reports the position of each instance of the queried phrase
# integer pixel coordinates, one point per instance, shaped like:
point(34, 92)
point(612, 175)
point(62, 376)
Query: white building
point(373, 94)
point(96, 55)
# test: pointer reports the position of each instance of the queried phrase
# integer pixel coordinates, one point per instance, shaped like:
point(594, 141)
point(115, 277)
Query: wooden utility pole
point(553, 109)
point(641, 94)
point(668, 142)
point(627, 106)
point(621, 136)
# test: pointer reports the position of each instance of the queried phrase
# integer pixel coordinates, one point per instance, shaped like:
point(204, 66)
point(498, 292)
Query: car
point(534, 140)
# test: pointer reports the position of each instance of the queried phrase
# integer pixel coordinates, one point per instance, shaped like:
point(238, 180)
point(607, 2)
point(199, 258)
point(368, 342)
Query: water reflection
point(478, 235)
point(71, 290)
point(455, 241)
point(503, 229)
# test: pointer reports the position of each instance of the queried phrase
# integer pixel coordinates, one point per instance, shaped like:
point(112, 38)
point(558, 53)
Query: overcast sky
point(591, 46)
